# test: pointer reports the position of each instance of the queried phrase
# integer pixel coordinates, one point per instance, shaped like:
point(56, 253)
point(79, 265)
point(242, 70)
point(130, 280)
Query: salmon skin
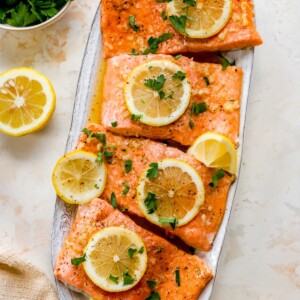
point(219, 89)
point(163, 259)
point(120, 38)
point(198, 233)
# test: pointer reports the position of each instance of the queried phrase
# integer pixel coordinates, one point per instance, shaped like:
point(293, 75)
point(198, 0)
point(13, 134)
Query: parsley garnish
point(136, 117)
point(127, 279)
point(191, 124)
point(151, 203)
point(163, 15)
point(86, 132)
point(179, 75)
point(131, 252)
point(198, 108)
point(179, 23)
point(190, 2)
point(225, 62)
point(114, 279)
point(114, 124)
point(217, 176)
point(159, 249)
point(153, 296)
point(153, 171)
point(151, 284)
point(160, 1)
point(96, 186)
point(206, 80)
point(141, 250)
point(113, 200)
point(132, 24)
point(100, 136)
point(128, 165)
point(156, 84)
point(177, 277)
point(126, 188)
point(134, 52)
point(171, 221)
point(99, 158)
point(154, 42)
point(178, 56)
point(78, 260)
point(123, 150)
point(123, 209)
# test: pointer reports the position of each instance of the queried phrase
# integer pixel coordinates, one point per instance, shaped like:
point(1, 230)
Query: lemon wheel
point(116, 259)
point(174, 196)
point(27, 101)
point(203, 18)
point(215, 151)
point(158, 91)
point(78, 178)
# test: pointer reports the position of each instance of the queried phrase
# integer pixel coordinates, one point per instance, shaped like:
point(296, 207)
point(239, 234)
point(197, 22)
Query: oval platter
point(64, 213)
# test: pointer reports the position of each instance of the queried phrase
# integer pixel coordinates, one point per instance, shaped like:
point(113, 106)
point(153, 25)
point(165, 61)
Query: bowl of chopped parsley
point(31, 14)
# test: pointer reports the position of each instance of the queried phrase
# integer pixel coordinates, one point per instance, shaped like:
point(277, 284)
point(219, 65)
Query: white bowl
point(40, 25)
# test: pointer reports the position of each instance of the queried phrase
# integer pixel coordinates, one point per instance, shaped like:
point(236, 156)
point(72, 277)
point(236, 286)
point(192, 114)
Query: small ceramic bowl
point(40, 25)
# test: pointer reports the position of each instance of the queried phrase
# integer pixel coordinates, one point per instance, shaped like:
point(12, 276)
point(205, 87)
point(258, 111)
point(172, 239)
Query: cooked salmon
point(163, 259)
point(219, 89)
point(119, 37)
point(200, 232)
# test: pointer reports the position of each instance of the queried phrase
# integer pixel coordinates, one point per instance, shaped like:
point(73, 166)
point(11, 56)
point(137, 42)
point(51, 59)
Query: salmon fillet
point(222, 97)
point(200, 232)
point(119, 37)
point(161, 266)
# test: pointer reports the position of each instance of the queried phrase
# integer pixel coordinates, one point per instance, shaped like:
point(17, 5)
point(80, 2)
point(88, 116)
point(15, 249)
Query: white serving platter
point(64, 213)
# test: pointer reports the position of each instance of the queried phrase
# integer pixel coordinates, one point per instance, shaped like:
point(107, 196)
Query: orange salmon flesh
point(120, 38)
point(161, 266)
point(222, 97)
point(198, 233)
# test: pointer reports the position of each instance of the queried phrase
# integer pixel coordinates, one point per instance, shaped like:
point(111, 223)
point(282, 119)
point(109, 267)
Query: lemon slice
point(78, 178)
point(158, 92)
point(203, 18)
point(170, 192)
point(215, 151)
point(116, 259)
point(27, 101)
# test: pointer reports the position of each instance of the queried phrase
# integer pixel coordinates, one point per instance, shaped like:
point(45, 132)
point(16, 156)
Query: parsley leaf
point(113, 200)
point(217, 176)
point(206, 80)
point(136, 117)
point(100, 136)
point(177, 277)
point(127, 279)
point(153, 171)
point(126, 188)
point(159, 249)
point(134, 52)
point(87, 132)
point(179, 75)
point(225, 62)
point(171, 221)
point(153, 296)
point(178, 56)
point(114, 124)
point(156, 84)
point(198, 108)
point(128, 166)
point(151, 203)
point(154, 42)
point(190, 2)
point(114, 279)
point(141, 250)
point(78, 260)
point(191, 124)
point(179, 23)
point(99, 158)
point(163, 15)
point(132, 23)
point(131, 252)
point(151, 284)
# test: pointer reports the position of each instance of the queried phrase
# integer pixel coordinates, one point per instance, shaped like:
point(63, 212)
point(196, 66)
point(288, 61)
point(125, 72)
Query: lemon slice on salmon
point(215, 151)
point(199, 18)
point(158, 92)
point(116, 259)
point(78, 178)
point(170, 193)
point(27, 101)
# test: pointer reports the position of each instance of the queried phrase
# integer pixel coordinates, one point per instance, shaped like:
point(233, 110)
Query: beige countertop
point(261, 254)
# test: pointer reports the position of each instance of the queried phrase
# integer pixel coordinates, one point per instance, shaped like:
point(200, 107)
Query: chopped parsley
point(198, 108)
point(100, 136)
point(151, 284)
point(179, 75)
point(191, 124)
point(151, 203)
point(141, 251)
point(154, 42)
point(159, 249)
point(78, 260)
point(128, 166)
point(178, 56)
point(126, 188)
point(123, 209)
point(179, 23)
point(225, 62)
point(127, 279)
point(153, 296)
point(206, 80)
point(114, 279)
point(163, 15)
point(160, 1)
point(177, 277)
point(87, 132)
point(156, 84)
point(134, 52)
point(113, 200)
point(131, 252)
point(96, 186)
point(99, 158)
point(136, 117)
point(114, 124)
point(132, 23)
point(190, 2)
point(123, 150)
point(171, 221)
point(217, 176)
point(153, 171)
